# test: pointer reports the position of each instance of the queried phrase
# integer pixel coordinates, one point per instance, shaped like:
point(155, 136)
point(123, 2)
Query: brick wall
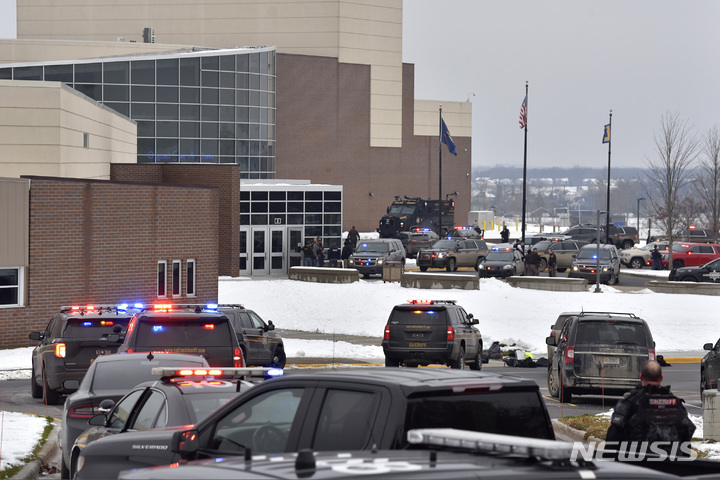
point(99, 242)
point(225, 177)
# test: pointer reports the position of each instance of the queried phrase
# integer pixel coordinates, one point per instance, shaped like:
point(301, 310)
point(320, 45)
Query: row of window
point(176, 277)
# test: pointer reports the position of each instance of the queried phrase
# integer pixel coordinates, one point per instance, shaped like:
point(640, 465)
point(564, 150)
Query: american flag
point(523, 113)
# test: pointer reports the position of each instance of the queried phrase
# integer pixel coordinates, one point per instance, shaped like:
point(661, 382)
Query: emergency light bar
point(218, 372)
point(100, 308)
point(492, 443)
point(430, 302)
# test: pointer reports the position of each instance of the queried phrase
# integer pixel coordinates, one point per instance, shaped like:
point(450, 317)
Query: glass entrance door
point(294, 247)
point(259, 253)
point(277, 252)
point(244, 251)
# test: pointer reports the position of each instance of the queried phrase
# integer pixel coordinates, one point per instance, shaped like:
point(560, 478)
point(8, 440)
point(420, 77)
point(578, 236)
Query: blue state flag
point(606, 134)
point(447, 138)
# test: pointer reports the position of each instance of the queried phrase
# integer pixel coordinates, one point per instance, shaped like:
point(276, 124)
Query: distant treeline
point(575, 175)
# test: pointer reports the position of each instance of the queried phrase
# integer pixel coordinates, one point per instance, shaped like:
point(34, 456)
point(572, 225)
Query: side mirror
point(98, 420)
point(105, 406)
point(550, 341)
point(270, 326)
point(185, 442)
point(35, 336)
point(708, 346)
point(117, 329)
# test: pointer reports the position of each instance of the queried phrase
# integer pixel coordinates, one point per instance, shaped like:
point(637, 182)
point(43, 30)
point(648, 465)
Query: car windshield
point(377, 247)
point(591, 254)
point(610, 333)
point(445, 244)
point(125, 375)
point(402, 210)
point(499, 256)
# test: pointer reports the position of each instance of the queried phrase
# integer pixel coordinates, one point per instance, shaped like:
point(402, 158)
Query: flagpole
point(524, 168)
point(607, 215)
point(440, 174)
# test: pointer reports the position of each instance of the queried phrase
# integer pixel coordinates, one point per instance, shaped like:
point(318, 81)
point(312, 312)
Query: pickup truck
point(332, 410)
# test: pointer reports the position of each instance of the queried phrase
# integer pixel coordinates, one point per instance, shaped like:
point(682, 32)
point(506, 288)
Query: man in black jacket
point(650, 413)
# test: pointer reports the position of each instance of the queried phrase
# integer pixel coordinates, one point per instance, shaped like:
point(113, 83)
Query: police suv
point(73, 338)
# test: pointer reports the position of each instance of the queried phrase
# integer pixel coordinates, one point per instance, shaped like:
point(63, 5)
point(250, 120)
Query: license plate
point(611, 361)
point(418, 335)
point(103, 351)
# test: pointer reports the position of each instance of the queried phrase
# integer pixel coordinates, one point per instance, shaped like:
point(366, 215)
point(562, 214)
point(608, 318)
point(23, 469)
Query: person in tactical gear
point(650, 413)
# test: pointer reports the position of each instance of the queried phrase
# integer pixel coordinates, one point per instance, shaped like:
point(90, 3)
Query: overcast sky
point(581, 58)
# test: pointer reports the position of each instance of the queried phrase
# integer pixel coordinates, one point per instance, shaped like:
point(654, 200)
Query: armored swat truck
point(406, 213)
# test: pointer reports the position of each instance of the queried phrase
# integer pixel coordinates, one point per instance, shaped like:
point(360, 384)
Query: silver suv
point(593, 258)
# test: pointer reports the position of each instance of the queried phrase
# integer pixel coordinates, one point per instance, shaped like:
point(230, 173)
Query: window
point(10, 291)
point(176, 274)
point(86, 140)
point(346, 420)
point(162, 279)
point(121, 413)
point(190, 282)
point(146, 417)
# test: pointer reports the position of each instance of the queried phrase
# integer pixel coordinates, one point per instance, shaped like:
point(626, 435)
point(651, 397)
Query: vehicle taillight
point(60, 350)
point(450, 334)
point(651, 354)
point(82, 411)
point(238, 360)
point(569, 354)
point(386, 336)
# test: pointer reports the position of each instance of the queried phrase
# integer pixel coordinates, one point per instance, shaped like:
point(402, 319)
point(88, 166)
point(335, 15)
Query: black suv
point(259, 342)
point(185, 329)
point(587, 264)
point(452, 252)
point(370, 256)
point(621, 237)
point(710, 272)
point(422, 332)
point(73, 338)
point(340, 410)
point(599, 353)
point(414, 241)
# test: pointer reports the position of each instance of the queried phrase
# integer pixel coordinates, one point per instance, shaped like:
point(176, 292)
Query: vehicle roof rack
point(492, 443)
point(624, 314)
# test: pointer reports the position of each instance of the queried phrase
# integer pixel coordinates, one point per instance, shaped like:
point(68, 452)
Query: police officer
point(650, 413)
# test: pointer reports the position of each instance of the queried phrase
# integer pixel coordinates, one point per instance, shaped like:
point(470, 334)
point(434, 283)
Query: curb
point(572, 434)
point(31, 470)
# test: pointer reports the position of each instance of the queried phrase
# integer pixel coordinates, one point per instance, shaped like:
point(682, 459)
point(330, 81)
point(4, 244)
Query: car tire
point(688, 279)
point(64, 470)
point(50, 396)
point(543, 265)
point(35, 390)
point(561, 270)
point(477, 364)
point(391, 363)
point(451, 265)
point(366, 275)
point(279, 358)
point(553, 383)
point(613, 280)
point(627, 244)
point(460, 362)
point(636, 263)
point(478, 262)
point(423, 269)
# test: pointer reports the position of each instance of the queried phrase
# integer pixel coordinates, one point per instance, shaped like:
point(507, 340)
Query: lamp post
point(638, 215)
point(597, 253)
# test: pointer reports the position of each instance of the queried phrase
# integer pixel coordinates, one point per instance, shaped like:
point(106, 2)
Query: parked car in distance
point(422, 332)
point(342, 410)
point(502, 261)
point(585, 232)
point(261, 345)
point(687, 254)
point(73, 338)
point(460, 231)
point(371, 255)
point(624, 237)
point(177, 396)
point(593, 258)
point(416, 240)
point(691, 234)
point(620, 236)
point(709, 272)
point(110, 377)
point(638, 257)
point(451, 253)
point(565, 251)
point(599, 353)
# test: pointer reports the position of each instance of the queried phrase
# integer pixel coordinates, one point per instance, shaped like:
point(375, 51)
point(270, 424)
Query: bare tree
point(676, 147)
point(708, 181)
